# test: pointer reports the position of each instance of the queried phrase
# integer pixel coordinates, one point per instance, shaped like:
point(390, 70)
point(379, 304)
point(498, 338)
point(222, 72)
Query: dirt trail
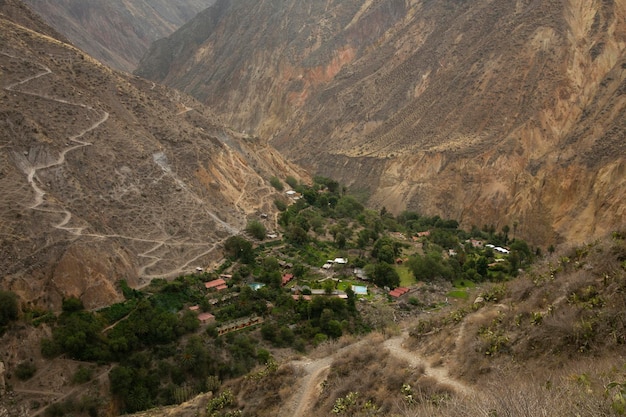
point(31, 171)
point(317, 370)
point(396, 348)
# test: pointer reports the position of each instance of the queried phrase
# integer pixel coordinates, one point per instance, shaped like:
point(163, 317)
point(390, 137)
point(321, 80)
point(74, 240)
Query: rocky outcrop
point(492, 112)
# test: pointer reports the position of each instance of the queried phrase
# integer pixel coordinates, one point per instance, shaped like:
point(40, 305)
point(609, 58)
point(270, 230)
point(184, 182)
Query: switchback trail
point(76, 142)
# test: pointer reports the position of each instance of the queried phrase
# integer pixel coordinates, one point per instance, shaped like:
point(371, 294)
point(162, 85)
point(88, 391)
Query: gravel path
point(316, 371)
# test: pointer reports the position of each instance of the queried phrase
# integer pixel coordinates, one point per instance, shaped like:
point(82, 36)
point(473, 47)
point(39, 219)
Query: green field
point(406, 276)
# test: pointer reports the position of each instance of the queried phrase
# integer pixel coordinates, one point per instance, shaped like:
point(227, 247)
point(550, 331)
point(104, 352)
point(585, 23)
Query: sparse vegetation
point(25, 370)
point(165, 357)
point(8, 308)
point(277, 184)
point(256, 229)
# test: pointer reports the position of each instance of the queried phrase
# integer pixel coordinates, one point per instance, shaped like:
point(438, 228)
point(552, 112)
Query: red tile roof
point(215, 283)
point(287, 278)
point(398, 292)
point(204, 317)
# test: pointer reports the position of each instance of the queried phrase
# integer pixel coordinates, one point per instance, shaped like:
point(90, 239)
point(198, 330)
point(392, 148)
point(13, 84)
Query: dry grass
point(516, 393)
point(263, 393)
point(548, 346)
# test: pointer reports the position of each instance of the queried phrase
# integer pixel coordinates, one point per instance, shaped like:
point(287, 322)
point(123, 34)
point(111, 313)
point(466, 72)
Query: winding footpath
point(31, 170)
point(315, 371)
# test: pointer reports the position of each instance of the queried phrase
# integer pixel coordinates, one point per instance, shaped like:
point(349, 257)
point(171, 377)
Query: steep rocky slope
point(105, 176)
point(117, 33)
point(490, 111)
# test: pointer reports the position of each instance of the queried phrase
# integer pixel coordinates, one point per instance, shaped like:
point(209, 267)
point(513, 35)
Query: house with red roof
point(287, 278)
point(217, 284)
point(206, 318)
point(398, 292)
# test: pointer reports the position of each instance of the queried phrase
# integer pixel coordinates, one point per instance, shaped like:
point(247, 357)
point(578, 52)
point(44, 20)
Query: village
point(328, 268)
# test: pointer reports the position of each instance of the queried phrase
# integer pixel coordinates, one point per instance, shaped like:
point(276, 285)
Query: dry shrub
point(331, 346)
point(262, 394)
point(371, 372)
point(524, 392)
point(521, 289)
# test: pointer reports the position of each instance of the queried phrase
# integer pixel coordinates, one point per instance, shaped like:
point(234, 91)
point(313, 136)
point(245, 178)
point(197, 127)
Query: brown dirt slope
point(105, 176)
point(485, 111)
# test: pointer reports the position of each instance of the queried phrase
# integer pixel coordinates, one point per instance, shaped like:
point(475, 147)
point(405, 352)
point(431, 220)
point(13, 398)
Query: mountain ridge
point(495, 112)
point(116, 33)
point(107, 176)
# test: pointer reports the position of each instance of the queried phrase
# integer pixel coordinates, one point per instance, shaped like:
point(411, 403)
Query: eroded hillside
point(489, 111)
point(106, 176)
point(117, 33)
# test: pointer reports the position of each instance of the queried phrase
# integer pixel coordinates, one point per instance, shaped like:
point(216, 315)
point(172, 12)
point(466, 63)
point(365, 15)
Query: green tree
point(189, 322)
point(522, 249)
point(256, 229)
point(386, 250)
point(505, 231)
point(297, 235)
point(25, 370)
point(348, 207)
point(383, 275)
point(482, 266)
point(291, 181)
point(340, 241)
point(280, 205)
point(329, 287)
point(276, 183)
point(8, 307)
point(236, 247)
point(72, 304)
point(429, 266)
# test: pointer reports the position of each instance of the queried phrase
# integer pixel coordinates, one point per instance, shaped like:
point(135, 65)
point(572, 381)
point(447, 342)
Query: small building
point(359, 273)
point(206, 318)
point(398, 292)
point(340, 261)
point(476, 243)
point(194, 308)
point(216, 284)
point(286, 278)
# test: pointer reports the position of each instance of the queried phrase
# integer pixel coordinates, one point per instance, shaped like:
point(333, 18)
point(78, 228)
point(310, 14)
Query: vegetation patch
point(168, 342)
